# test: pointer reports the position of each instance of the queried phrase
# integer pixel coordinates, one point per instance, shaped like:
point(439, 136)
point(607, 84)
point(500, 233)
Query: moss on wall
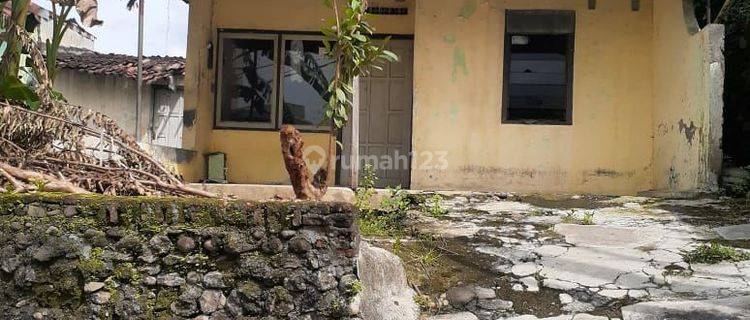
point(74, 257)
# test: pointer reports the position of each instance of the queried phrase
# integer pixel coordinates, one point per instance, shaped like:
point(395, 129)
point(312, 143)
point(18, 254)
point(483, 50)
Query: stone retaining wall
point(92, 257)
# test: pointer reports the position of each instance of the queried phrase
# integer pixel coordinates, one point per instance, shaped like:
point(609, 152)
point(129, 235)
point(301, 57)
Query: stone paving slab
point(735, 232)
point(737, 308)
point(605, 236)
point(455, 316)
point(593, 267)
point(580, 316)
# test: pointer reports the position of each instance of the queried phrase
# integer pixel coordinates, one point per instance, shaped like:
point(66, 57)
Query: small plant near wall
point(384, 218)
point(365, 192)
point(433, 206)
point(389, 218)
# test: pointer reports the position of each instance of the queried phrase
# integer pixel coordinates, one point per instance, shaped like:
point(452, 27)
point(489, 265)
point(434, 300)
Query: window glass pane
point(538, 80)
point(307, 71)
point(248, 80)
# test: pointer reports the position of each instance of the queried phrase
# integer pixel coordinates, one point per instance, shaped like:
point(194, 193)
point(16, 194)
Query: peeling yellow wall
point(457, 102)
point(252, 156)
point(636, 75)
point(686, 121)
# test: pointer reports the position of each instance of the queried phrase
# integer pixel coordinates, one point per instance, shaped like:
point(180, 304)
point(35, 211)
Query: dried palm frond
point(67, 148)
point(70, 145)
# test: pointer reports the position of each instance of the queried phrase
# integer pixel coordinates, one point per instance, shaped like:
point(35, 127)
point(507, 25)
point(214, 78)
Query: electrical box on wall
point(216, 166)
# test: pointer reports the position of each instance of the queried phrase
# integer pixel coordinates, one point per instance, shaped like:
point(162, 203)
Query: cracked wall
point(688, 88)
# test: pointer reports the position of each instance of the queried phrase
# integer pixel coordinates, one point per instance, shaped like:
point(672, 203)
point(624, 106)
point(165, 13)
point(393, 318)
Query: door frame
point(342, 176)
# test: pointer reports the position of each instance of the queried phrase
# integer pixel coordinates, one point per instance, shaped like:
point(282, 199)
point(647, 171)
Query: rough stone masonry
point(95, 257)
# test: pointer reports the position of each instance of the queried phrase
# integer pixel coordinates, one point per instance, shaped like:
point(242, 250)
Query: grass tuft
point(714, 253)
point(571, 218)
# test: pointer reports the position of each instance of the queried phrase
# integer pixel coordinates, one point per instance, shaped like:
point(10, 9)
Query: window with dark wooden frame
point(538, 67)
point(247, 81)
point(267, 79)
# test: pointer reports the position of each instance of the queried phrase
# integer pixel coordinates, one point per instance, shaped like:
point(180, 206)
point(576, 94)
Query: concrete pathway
point(630, 256)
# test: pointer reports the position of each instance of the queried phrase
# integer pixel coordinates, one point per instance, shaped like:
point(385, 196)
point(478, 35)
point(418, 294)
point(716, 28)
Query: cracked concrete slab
point(632, 254)
point(735, 232)
point(593, 267)
point(737, 308)
point(605, 236)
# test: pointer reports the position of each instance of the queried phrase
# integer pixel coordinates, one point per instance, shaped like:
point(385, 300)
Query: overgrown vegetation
point(389, 218)
point(714, 253)
point(22, 83)
point(433, 206)
point(423, 254)
point(49, 145)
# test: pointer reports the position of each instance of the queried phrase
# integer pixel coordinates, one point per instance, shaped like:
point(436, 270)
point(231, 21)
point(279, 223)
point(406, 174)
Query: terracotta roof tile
point(156, 69)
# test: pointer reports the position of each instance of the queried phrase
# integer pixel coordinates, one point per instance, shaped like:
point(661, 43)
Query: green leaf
point(12, 88)
point(388, 55)
point(58, 96)
point(340, 94)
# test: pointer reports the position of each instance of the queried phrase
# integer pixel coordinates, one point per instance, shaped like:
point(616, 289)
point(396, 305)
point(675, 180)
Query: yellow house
point(574, 96)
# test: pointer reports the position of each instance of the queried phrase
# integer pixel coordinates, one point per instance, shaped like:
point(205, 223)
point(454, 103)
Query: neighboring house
point(107, 83)
point(40, 22)
point(607, 96)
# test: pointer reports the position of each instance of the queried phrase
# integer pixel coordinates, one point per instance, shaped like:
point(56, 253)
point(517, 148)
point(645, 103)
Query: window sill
point(538, 122)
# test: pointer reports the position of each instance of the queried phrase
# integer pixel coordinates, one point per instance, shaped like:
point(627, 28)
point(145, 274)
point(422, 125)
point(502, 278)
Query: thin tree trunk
point(354, 123)
point(11, 59)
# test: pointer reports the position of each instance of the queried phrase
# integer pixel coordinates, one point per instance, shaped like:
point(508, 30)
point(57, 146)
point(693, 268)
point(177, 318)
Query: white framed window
point(247, 81)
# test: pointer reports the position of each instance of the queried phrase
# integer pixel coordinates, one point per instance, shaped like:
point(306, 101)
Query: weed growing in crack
point(433, 207)
point(388, 217)
point(714, 253)
point(571, 218)
point(422, 301)
point(588, 219)
point(355, 287)
point(363, 194)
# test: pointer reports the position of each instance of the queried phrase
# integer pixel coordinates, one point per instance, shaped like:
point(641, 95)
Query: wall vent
point(388, 11)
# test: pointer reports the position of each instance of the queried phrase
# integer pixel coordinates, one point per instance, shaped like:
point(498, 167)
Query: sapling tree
point(348, 42)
